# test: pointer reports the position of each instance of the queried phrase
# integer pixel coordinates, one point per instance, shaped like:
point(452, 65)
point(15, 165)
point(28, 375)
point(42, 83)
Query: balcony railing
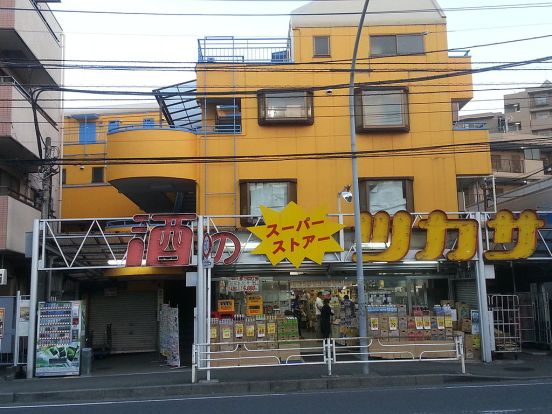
point(508, 165)
point(201, 130)
point(458, 126)
point(32, 202)
point(229, 49)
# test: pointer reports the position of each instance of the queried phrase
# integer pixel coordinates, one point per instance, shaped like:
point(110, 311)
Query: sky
point(104, 37)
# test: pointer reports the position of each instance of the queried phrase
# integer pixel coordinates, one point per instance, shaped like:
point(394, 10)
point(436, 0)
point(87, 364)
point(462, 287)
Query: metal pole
point(200, 290)
point(33, 300)
point(356, 199)
point(341, 232)
point(482, 295)
point(17, 333)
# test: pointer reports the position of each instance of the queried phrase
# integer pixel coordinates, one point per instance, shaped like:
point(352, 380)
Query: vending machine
point(60, 337)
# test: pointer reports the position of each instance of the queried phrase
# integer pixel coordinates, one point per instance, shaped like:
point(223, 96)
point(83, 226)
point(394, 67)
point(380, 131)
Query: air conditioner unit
point(3, 277)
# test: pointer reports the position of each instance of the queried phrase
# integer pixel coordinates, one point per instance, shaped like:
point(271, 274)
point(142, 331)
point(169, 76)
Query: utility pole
point(46, 178)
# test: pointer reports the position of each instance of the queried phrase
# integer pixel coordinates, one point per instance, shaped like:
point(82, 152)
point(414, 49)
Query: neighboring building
point(530, 111)
point(491, 121)
point(277, 98)
point(29, 33)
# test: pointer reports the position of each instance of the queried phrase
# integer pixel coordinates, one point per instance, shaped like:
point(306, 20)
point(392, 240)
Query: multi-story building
point(266, 123)
point(29, 36)
point(530, 111)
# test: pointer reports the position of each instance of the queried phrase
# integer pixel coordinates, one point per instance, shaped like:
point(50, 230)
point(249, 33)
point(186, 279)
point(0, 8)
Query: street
point(535, 397)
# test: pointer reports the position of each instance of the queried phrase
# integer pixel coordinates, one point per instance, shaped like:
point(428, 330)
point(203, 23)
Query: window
point(148, 123)
point(87, 132)
point(540, 100)
point(273, 194)
point(285, 107)
point(532, 154)
point(112, 126)
point(226, 114)
point(389, 195)
point(512, 108)
point(410, 44)
point(98, 174)
point(541, 115)
point(380, 109)
point(321, 46)
point(63, 176)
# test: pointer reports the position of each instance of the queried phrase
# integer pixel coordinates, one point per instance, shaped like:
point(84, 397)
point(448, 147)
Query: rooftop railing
point(228, 49)
point(460, 125)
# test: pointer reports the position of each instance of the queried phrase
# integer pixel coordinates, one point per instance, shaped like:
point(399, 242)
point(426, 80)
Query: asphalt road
point(535, 397)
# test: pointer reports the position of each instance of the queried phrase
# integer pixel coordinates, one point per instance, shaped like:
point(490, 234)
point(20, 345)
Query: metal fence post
point(329, 344)
point(194, 364)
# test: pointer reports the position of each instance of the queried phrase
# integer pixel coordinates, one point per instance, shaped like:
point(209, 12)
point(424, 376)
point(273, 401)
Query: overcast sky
point(100, 37)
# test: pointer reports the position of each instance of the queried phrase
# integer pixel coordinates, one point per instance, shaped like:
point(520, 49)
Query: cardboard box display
point(401, 310)
point(411, 322)
point(467, 325)
point(403, 323)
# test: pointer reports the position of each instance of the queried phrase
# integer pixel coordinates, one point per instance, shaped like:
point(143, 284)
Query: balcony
point(508, 165)
point(31, 37)
point(461, 126)
point(17, 131)
point(17, 214)
point(228, 49)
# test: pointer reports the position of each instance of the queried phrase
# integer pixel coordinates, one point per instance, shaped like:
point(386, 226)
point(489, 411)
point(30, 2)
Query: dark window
point(381, 109)
point(87, 132)
point(409, 44)
point(112, 126)
point(285, 107)
point(389, 195)
point(227, 114)
point(98, 174)
point(64, 176)
point(321, 46)
point(272, 194)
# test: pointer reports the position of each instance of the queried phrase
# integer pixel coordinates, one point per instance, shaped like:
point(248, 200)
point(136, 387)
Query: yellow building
point(284, 99)
point(267, 122)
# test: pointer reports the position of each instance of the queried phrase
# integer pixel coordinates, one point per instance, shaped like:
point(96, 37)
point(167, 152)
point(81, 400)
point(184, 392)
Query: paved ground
point(142, 376)
point(534, 397)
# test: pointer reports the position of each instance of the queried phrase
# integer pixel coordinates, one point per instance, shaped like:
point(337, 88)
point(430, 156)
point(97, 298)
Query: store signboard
point(243, 284)
point(167, 240)
point(394, 233)
point(296, 234)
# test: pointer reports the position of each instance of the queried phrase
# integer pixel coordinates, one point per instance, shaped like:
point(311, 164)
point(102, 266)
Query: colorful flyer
point(374, 324)
point(427, 322)
point(226, 332)
point(250, 331)
point(261, 330)
point(238, 329)
point(271, 327)
point(213, 332)
point(393, 323)
point(419, 322)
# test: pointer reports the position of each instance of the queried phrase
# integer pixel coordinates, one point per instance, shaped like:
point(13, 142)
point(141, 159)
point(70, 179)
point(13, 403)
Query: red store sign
point(167, 240)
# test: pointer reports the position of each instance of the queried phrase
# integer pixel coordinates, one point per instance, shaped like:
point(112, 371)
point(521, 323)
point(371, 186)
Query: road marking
point(299, 393)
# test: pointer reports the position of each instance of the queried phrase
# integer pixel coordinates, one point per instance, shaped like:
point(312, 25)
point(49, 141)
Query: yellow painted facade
point(434, 174)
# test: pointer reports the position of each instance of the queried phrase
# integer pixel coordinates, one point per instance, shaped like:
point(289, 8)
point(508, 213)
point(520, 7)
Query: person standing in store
point(318, 304)
point(326, 319)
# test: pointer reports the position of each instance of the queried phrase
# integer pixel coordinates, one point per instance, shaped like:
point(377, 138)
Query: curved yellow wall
point(148, 144)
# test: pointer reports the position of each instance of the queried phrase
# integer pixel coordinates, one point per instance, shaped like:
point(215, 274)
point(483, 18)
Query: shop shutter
point(133, 320)
point(466, 291)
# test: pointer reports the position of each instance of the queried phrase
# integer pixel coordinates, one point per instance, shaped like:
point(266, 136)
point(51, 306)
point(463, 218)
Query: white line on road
point(217, 397)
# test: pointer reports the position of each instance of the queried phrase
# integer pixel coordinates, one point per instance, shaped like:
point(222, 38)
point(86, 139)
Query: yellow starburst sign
point(296, 234)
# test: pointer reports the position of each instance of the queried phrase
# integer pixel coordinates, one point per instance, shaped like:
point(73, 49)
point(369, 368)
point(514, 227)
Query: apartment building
point(530, 111)
point(29, 36)
point(266, 123)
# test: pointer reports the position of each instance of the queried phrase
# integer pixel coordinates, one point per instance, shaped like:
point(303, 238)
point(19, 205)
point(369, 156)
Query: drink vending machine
point(60, 337)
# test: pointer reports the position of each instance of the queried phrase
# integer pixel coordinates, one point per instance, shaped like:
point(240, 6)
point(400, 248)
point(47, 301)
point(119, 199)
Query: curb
point(253, 387)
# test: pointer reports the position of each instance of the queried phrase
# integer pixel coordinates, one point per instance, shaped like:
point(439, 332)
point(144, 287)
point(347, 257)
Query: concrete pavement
point(128, 378)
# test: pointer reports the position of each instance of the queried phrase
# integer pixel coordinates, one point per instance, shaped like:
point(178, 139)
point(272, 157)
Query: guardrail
point(328, 352)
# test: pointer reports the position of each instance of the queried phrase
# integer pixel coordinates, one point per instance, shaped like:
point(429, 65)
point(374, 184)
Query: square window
point(98, 174)
point(112, 126)
point(381, 109)
point(389, 195)
point(272, 194)
point(285, 107)
point(410, 44)
point(321, 46)
point(383, 45)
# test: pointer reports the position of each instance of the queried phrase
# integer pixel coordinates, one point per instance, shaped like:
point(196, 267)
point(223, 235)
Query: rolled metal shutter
point(133, 320)
point(466, 291)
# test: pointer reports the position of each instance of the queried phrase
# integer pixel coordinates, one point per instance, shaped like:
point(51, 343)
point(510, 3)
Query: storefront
point(424, 282)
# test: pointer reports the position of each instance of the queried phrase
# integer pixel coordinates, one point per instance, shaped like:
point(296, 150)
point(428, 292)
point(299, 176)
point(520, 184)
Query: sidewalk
point(126, 382)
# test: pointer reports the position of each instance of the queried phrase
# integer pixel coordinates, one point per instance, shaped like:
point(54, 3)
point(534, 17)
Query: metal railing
point(328, 352)
point(202, 130)
point(458, 126)
point(228, 49)
point(7, 191)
